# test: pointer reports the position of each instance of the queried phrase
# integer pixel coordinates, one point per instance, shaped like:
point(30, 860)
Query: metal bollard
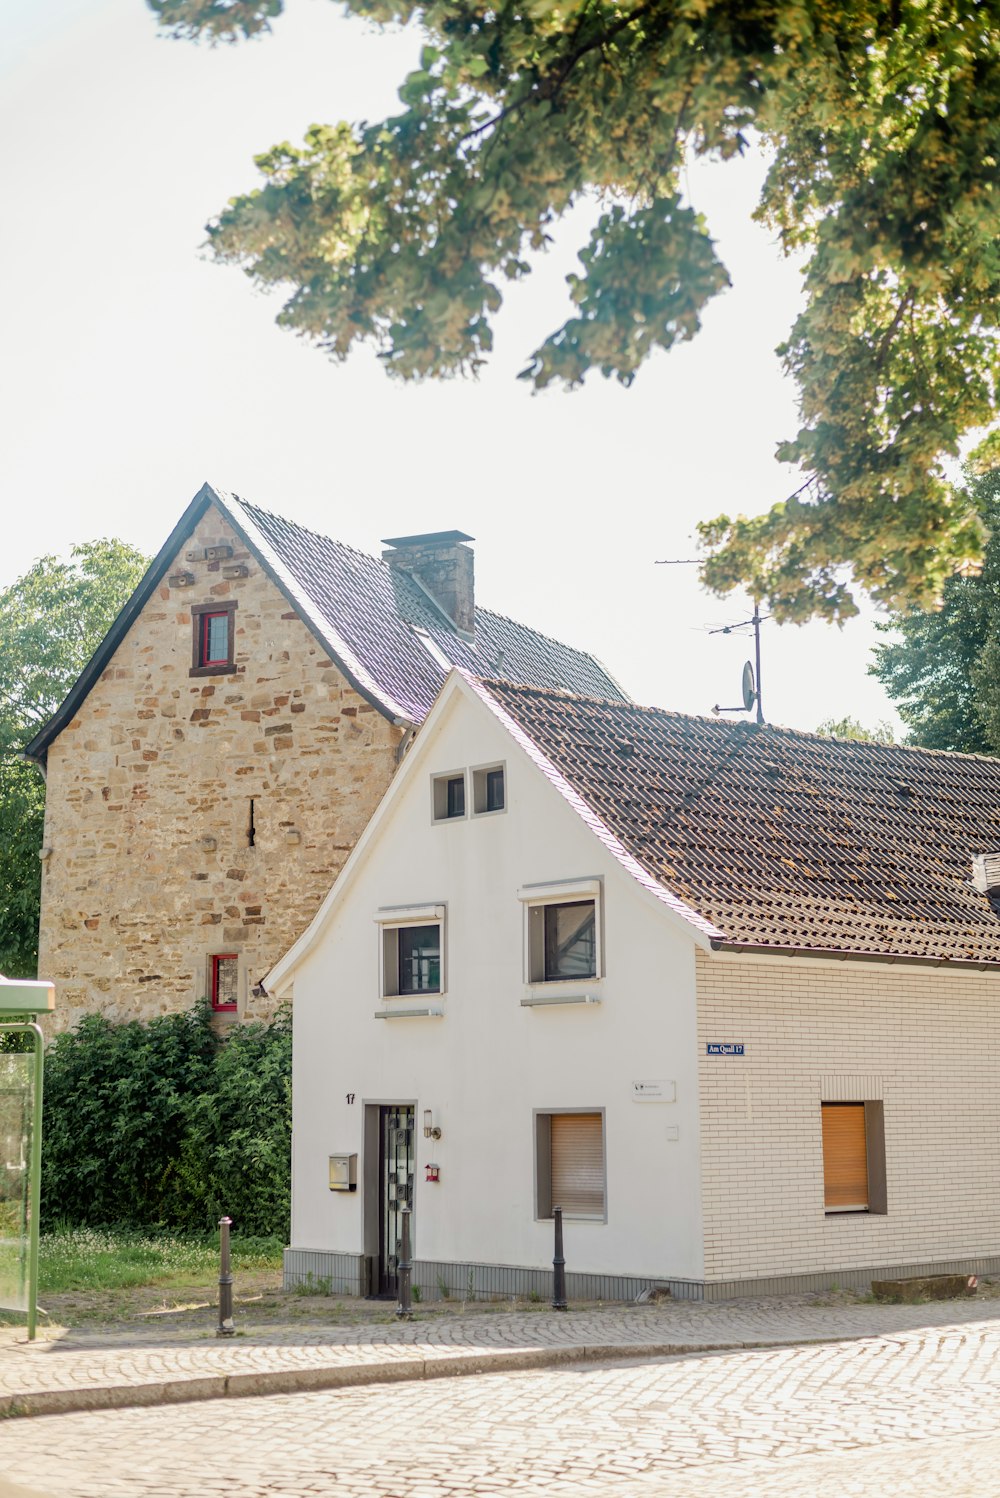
point(559, 1302)
point(226, 1327)
point(403, 1309)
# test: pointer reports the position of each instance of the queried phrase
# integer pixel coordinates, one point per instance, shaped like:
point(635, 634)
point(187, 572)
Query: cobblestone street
point(914, 1412)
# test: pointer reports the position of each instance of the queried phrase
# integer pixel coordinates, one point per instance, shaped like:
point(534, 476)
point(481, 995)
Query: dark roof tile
point(780, 839)
point(377, 611)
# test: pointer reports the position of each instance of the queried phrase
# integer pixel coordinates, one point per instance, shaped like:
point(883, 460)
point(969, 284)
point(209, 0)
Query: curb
point(355, 1375)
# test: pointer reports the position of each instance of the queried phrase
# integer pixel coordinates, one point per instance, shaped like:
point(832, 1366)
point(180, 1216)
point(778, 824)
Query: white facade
point(489, 1062)
point(712, 1185)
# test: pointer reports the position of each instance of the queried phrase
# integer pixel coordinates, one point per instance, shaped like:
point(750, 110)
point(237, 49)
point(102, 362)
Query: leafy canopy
point(851, 728)
point(882, 122)
point(51, 621)
point(942, 666)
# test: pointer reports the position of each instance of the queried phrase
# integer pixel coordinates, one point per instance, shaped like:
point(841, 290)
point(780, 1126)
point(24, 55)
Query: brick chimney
point(445, 568)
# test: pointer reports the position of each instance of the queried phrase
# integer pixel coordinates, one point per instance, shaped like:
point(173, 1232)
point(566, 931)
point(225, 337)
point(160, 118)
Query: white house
point(726, 994)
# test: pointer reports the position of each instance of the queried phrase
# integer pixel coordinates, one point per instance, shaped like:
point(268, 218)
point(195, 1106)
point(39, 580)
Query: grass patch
point(115, 1259)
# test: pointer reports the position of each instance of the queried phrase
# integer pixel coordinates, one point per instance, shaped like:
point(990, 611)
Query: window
point(419, 959)
point(224, 981)
point(213, 644)
point(569, 946)
point(412, 950)
point(569, 1164)
point(488, 789)
point(448, 796)
point(563, 931)
point(853, 1157)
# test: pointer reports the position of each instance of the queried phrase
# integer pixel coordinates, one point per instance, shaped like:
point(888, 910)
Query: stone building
point(218, 759)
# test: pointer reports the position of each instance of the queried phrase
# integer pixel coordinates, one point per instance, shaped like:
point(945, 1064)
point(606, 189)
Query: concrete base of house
point(329, 1273)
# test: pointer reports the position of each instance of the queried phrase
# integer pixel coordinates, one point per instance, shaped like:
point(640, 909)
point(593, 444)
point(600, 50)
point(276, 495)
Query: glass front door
point(396, 1174)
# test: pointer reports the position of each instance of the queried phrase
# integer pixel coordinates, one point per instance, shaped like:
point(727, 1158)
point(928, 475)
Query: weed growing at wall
point(160, 1123)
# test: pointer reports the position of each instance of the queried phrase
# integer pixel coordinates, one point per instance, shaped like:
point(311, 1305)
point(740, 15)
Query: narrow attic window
point(488, 789)
point(448, 796)
point(213, 638)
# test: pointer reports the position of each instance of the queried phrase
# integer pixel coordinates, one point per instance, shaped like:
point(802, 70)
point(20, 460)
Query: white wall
point(488, 1062)
point(924, 1041)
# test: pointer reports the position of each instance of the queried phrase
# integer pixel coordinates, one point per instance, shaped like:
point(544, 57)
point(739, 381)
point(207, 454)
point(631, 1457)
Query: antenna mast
point(751, 673)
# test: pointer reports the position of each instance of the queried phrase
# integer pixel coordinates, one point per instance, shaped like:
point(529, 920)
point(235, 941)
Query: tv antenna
point(751, 669)
point(751, 690)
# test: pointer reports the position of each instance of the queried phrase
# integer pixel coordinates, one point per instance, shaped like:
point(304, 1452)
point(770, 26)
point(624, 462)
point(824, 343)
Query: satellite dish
point(749, 687)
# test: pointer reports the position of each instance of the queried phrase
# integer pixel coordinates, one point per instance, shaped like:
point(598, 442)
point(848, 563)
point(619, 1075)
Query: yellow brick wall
point(158, 764)
point(924, 1040)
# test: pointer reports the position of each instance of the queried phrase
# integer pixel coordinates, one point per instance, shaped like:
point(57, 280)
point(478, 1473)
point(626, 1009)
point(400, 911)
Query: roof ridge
point(306, 529)
point(370, 556)
point(856, 745)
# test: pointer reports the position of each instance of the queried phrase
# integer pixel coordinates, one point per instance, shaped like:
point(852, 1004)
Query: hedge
point(162, 1124)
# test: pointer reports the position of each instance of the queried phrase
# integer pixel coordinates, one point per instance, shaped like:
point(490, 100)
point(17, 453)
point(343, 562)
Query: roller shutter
point(845, 1157)
point(578, 1163)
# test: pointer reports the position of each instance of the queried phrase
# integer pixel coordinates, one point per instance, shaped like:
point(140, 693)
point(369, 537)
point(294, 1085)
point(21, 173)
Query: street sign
point(725, 1048)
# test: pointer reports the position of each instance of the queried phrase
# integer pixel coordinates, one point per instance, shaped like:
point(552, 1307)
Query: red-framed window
point(213, 647)
point(225, 974)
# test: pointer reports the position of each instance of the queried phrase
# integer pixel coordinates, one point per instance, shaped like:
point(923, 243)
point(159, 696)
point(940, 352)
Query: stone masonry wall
point(923, 1041)
point(149, 871)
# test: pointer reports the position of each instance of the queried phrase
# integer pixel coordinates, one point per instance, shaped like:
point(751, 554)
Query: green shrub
point(161, 1124)
point(236, 1154)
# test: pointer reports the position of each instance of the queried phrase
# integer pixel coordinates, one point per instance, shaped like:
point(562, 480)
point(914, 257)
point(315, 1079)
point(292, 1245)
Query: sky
point(132, 368)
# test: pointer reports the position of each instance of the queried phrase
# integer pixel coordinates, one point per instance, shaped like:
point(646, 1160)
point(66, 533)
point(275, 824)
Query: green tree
point(942, 668)
point(851, 728)
point(51, 621)
point(882, 122)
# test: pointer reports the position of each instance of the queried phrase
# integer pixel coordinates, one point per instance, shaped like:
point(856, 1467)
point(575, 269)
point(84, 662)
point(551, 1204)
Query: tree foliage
point(851, 728)
point(160, 1124)
point(882, 123)
point(942, 667)
point(51, 621)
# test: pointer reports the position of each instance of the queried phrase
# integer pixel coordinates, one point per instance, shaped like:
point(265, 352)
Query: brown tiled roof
point(779, 839)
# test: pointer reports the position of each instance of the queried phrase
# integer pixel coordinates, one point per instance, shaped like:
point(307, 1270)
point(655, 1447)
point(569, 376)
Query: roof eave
point(839, 954)
point(37, 749)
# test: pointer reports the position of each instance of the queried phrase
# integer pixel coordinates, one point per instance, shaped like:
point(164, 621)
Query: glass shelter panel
point(16, 1085)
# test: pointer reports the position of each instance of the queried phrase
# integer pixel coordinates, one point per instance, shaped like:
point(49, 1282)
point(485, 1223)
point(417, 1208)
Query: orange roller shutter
point(845, 1157)
point(578, 1164)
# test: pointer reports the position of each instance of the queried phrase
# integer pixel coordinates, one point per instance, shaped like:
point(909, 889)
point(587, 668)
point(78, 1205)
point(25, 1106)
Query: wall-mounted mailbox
point(343, 1172)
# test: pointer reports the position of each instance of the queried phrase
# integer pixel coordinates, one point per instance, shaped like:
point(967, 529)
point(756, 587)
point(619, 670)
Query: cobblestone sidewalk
point(108, 1367)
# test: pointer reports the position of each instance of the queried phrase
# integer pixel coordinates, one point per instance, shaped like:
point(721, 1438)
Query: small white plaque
point(657, 1091)
point(673, 1133)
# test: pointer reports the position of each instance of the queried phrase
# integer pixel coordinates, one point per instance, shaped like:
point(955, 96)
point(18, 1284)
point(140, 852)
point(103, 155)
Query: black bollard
point(226, 1327)
point(403, 1270)
point(558, 1266)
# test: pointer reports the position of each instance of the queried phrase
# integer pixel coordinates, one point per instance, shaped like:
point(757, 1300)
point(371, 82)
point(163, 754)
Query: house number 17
point(350, 1097)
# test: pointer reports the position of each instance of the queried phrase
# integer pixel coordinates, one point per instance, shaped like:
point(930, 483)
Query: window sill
point(228, 668)
point(539, 998)
point(430, 1011)
point(581, 1217)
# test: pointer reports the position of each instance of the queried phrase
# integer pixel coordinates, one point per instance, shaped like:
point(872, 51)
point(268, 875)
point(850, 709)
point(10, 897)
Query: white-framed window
point(411, 950)
point(571, 1163)
point(448, 799)
point(562, 932)
point(489, 789)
